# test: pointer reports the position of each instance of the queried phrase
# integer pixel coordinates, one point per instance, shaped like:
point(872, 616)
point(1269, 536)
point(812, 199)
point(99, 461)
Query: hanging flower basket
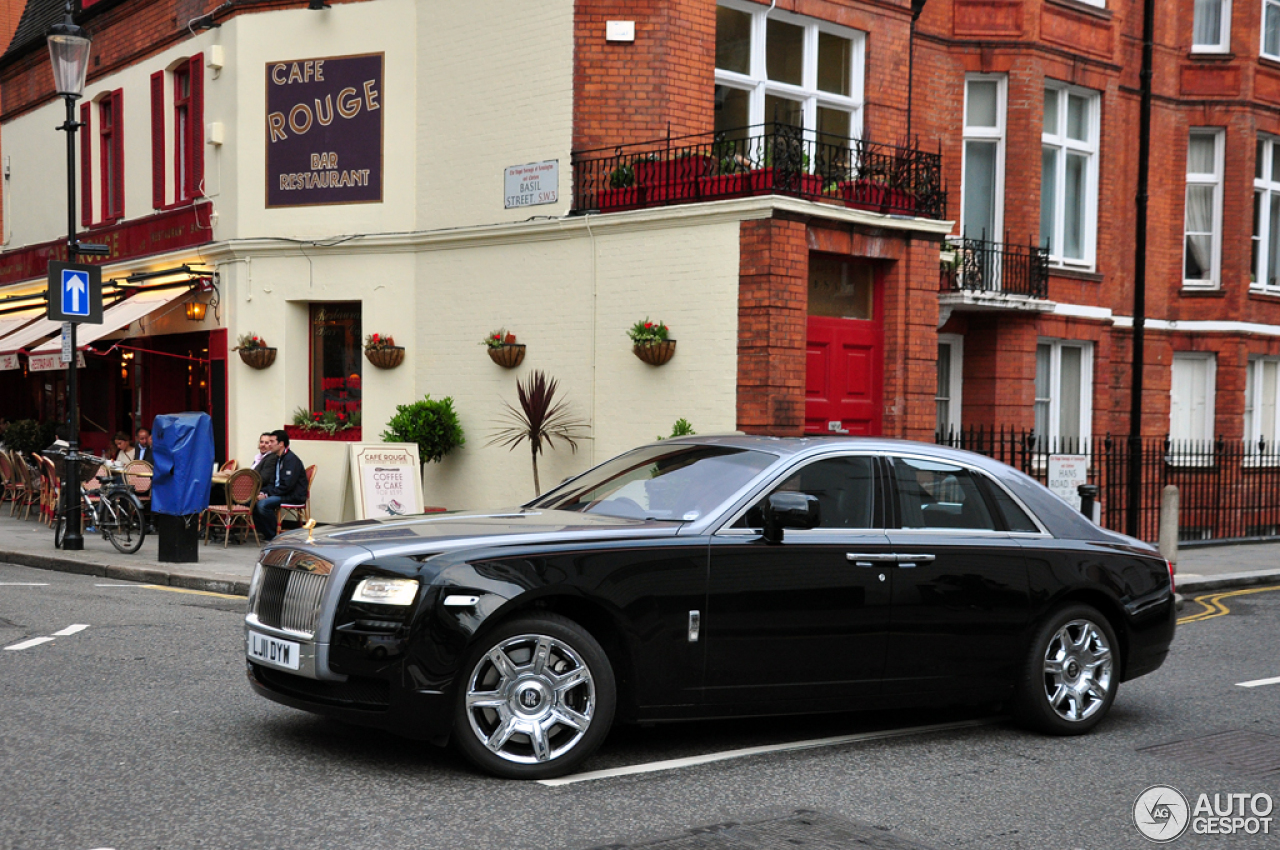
point(655, 353)
point(509, 355)
point(258, 358)
point(388, 357)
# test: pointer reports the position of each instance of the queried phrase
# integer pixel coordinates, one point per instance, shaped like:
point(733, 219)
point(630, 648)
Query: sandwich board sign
point(75, 293)
point(387, 478)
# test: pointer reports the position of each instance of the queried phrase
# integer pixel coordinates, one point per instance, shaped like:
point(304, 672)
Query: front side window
point(1271, 28)
point(111, 156)
point(335, 361)
point(935, 494)
point(1262, 386)
point(947, 395)
point(843, 486)
point(1211, 26)
point(1069, 174)
point(776, 66)
point(1064, 394)
point(1202, 246)
point(982, 184)
point(1191, 396)
point(1266, 217)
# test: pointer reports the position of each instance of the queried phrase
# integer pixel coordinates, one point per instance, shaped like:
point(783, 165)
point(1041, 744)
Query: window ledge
point(1272, 62)
point(1075, 274)
point(1084, 8)
point(1264, 295)
point(1209, 54)
point(1202, 292)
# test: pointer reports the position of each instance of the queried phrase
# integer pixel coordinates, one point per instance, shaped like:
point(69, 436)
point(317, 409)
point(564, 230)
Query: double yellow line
point(1213, 605)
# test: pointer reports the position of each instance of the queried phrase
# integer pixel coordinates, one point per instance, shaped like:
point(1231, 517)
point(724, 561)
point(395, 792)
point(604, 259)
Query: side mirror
point(789, 510)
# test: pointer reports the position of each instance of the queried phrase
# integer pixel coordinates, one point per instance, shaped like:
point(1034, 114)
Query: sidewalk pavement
point(1200, 568)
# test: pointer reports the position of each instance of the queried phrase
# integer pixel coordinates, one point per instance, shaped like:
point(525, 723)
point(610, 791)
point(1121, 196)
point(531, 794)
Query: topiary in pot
point(433, 425)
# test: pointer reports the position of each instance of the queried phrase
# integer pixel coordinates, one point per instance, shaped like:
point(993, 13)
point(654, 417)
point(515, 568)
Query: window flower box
point(346, 435)
point(624, 198)
point(673, 179)
point(766, 181)
point(864, 194)
point(724, 186)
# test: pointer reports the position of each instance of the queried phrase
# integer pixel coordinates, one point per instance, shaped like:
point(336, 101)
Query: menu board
point(387, 478)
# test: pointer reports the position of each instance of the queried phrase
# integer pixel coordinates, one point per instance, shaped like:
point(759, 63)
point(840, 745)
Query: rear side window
point(934, 494)
point(843, 486)
point(1015, 518)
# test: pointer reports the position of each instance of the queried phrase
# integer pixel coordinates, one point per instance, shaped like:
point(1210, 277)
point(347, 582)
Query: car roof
point(795, 446)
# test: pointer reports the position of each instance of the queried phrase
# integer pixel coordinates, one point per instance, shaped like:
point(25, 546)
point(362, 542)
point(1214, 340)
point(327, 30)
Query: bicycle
point(116, 513)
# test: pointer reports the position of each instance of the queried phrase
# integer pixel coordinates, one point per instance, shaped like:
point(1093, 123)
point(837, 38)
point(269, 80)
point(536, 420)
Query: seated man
point(144, 451)
point(284, 483)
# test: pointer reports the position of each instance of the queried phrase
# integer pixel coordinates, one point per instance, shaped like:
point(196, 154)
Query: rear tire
point(125, 530)
point(1071, 674)
point(536, 699)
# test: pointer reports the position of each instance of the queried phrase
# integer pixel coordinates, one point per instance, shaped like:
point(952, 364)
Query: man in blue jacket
point(285, 482)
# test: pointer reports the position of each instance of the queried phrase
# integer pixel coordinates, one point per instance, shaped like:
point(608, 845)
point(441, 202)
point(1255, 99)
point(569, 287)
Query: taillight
point(1173, 586)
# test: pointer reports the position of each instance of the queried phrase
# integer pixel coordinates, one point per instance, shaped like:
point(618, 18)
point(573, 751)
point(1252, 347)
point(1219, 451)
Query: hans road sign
point(75, 293)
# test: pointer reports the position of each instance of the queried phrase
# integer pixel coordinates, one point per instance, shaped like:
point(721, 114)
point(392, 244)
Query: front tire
point(125, 529)
point(1071, 674)
point(538, 698)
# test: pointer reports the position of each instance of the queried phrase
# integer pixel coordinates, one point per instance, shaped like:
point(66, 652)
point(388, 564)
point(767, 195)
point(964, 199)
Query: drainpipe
point(1140, 274)
point(917, 6)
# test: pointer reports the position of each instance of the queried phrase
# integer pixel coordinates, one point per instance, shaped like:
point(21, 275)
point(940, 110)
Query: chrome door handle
point(908, 561)
point(865, 559)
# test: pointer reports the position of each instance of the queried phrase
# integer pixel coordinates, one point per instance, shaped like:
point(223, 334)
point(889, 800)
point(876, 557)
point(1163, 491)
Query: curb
point(1189, 585)
point(231, 585)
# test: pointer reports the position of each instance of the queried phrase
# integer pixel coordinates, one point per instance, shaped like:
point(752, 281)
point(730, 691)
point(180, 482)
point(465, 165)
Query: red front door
point(844, 374)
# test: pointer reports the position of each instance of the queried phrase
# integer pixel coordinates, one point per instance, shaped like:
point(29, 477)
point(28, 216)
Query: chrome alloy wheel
point(530, 699)
point(1077, 670)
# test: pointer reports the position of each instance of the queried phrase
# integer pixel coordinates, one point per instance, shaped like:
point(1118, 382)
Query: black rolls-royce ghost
point(711, 577)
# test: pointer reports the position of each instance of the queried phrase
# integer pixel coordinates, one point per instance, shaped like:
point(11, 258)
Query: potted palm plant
point(541, 419)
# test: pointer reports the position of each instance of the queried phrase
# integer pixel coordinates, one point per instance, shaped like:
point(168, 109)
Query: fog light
point(386, 591)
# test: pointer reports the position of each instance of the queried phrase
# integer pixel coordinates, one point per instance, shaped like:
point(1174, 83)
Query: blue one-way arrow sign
point(75, 293)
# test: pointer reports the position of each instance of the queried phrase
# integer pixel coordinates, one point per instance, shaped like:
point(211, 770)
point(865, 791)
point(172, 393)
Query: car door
point(960, 590)
point(802, 623)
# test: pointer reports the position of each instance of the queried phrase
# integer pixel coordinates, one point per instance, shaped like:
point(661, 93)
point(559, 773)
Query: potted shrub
point(383, 352)
point(254, 351)
point(432, 425)
point(675, 178)
point(622, 194)
point(503, 349)
point(651, 342)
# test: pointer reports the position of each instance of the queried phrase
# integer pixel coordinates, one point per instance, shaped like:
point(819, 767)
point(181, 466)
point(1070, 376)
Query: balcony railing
point(773, 159)
point(980, 265)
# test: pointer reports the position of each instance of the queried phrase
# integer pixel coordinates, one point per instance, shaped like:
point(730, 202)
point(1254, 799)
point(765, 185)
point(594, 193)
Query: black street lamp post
point(69, 56)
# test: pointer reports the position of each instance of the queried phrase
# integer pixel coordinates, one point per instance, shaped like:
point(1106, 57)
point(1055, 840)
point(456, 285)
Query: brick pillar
point(630, 91)
point(773, 295)
point(1000, 371)
point(910, 288)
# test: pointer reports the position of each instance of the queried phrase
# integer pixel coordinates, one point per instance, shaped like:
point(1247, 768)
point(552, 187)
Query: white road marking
point(30, 642)
point(673, 764)
point(27, 644)
point(118, 585)
point(1257, 683)
point(24, 584)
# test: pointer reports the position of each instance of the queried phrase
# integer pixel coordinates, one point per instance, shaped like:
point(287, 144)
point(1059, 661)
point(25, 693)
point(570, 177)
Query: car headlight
point(386, 591)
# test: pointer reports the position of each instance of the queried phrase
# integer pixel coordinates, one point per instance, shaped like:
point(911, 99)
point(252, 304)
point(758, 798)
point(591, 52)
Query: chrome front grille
point(289, 590)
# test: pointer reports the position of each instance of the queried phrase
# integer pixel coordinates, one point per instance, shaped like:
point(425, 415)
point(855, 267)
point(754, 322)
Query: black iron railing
point(760, 160)
point(1227, 489)
point(980, 265)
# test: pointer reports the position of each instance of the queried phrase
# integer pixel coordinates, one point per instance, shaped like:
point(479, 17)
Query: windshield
point(676, 482)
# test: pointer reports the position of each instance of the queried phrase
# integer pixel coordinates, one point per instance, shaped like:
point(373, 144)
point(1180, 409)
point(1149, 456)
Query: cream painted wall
point(490, 97)
point(571, 300)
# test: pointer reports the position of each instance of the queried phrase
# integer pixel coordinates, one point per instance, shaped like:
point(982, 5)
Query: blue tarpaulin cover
point(183, 444)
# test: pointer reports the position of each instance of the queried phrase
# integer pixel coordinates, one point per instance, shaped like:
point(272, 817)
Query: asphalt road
point(139, 731)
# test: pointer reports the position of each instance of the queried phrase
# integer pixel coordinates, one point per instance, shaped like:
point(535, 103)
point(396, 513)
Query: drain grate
point(1235, 751)
point(800, 830)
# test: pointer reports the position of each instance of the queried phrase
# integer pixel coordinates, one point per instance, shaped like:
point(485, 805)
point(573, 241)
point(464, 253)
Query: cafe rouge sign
point(324, 131)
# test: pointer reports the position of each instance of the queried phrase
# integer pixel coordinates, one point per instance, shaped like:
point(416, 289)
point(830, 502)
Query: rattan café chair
point(242, 494)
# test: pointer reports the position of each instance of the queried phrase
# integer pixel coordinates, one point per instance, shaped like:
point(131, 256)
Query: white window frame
point(1266, 186)
point(955, 384)
point(1223, 44)
point(986, 134)
point(1255, 386)
point(1213, 180)
point(1204, 427)
point(1054, 399)
point(1091, 149)
point(1274, 7)
point(758, 86)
